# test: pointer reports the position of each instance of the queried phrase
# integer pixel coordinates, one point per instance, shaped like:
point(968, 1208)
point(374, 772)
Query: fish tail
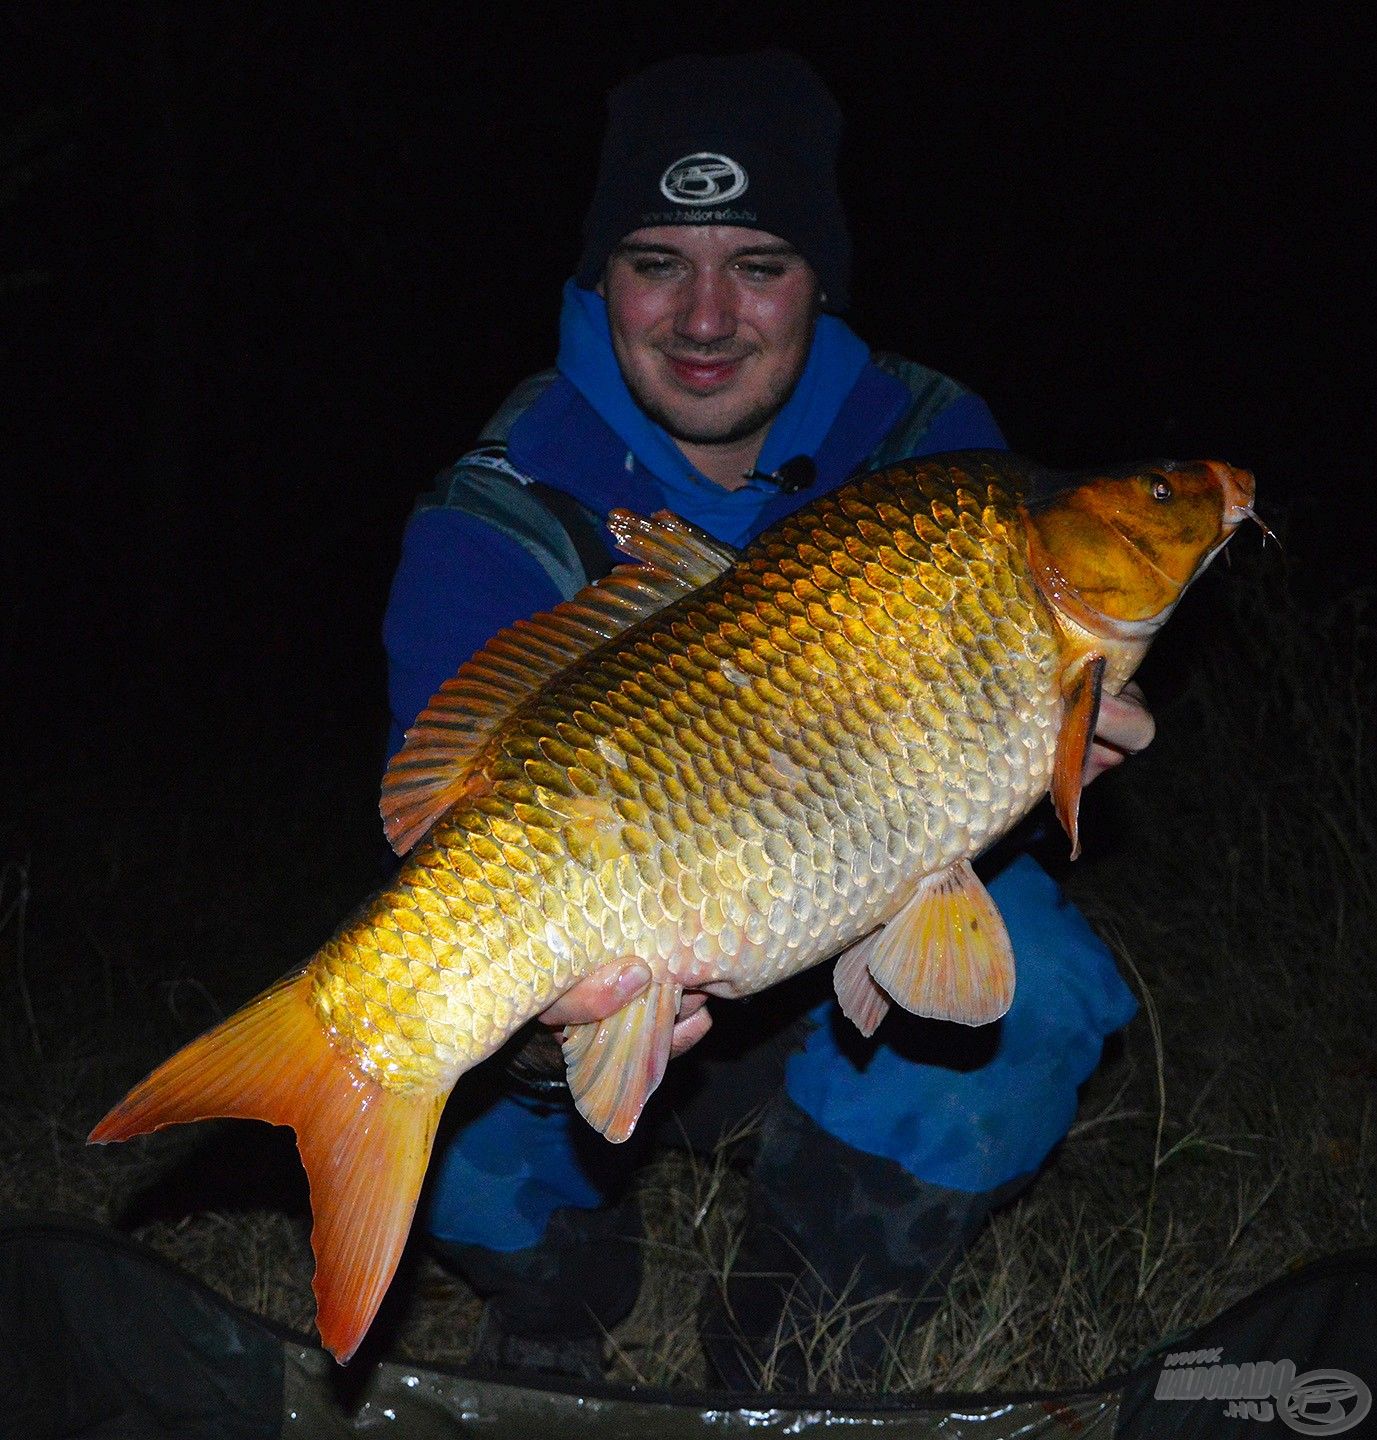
point(365, 1148)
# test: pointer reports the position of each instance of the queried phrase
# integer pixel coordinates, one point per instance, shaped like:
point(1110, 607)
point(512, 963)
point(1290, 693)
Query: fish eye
point(1161, 489)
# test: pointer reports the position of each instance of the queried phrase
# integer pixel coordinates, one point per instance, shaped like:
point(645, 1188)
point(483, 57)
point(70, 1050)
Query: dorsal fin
point(672, 545)
point(431, 770)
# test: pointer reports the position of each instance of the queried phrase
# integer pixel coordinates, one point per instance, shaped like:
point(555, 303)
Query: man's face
point(711, 326)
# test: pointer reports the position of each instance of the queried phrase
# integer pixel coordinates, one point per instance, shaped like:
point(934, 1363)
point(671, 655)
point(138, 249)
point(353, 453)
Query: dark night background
point(266, 268)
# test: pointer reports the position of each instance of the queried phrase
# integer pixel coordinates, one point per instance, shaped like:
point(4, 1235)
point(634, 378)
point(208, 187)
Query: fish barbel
point(730, 766)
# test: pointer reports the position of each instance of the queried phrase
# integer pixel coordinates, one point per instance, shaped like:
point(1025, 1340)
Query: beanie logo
point(703, 179)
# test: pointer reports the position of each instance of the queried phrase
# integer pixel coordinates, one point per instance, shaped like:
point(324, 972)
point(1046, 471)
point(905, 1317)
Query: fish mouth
point(1239, 489)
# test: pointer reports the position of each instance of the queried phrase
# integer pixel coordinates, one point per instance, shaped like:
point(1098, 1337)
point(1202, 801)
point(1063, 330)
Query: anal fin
point(615, 1064)
point(862, 1001)
point(365, 1148)
point(946, 954)
point(1081, 689)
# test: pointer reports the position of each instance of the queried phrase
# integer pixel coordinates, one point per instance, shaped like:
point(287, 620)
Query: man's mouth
point(705, 374)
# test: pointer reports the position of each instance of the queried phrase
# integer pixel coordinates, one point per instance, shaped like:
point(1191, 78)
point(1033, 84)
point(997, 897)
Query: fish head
point(1116, 549)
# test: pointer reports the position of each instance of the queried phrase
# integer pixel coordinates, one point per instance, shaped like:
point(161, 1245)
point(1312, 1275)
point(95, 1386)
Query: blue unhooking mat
point(100, 1338)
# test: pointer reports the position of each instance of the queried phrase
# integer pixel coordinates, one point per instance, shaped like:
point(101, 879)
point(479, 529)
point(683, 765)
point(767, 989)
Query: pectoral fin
point(862, 1001)
point(946, 954)
point(615, 1064)
point(1081, 695)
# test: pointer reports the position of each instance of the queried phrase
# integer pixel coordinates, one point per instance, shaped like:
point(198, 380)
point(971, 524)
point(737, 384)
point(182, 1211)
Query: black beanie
point(746, 140)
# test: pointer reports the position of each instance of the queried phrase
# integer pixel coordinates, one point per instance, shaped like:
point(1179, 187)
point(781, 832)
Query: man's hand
point(1124, 728)
point(617, 983)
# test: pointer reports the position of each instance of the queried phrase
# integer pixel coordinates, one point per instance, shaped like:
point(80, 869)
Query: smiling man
point(703, 367)
point(711, 327)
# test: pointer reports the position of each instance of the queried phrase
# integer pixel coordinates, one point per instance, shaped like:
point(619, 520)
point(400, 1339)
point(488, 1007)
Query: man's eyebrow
point(627, 247)
point(780, 248)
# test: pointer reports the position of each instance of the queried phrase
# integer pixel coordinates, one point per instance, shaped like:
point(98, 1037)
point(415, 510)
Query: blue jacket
point(468, 569)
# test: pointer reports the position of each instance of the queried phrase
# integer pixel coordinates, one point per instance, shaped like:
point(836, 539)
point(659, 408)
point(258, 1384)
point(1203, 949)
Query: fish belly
point(853, 866)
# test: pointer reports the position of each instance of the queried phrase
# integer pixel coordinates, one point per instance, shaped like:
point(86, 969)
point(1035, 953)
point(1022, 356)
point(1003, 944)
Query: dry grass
point(1230, 1137)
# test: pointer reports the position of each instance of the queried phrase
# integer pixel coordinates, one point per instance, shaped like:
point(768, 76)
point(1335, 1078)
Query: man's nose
point(706, 312)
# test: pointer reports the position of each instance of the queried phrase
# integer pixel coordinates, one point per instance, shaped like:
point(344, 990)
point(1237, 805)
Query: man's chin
point(689, 428)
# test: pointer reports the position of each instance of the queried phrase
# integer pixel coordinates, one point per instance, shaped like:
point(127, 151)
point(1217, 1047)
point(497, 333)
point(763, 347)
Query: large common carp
point(732, 767)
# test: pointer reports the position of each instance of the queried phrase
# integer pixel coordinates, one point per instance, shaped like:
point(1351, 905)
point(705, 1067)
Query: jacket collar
point(567, 441)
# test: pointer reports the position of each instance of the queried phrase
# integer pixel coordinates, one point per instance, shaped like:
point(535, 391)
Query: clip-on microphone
point(791, 477)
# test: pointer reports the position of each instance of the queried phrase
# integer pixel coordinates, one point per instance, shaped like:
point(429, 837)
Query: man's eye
point(653, 265)
point(761, 270)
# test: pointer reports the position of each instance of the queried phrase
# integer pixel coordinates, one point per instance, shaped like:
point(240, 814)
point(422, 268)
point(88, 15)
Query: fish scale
point(834, 768)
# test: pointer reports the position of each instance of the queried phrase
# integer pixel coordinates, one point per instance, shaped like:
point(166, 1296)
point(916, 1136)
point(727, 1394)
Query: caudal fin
point(365, 1149)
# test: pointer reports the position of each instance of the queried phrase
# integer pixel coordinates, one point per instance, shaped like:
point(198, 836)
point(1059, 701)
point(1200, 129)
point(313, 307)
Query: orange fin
point(1081, 687)
point(946, 954)
point(365, 1149)
point(672, 546)
point(862, 1001)
point(615, 1064)
point(435, 766)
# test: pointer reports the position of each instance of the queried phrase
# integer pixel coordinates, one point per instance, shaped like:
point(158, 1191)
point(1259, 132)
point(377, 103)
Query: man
point(703, 368)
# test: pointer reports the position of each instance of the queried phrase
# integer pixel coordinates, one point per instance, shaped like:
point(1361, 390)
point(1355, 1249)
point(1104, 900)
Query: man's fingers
point(691, 1002)
point(600, 994)
point(691, 1025)
point(607, 990)
point(1125, 726)
point(1125, 721)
